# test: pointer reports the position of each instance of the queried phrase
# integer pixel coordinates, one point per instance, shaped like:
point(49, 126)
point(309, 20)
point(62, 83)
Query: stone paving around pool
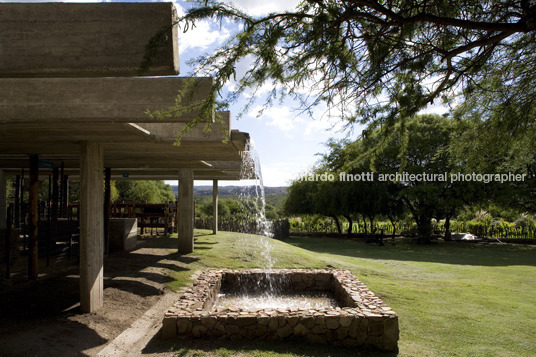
point(361, 319)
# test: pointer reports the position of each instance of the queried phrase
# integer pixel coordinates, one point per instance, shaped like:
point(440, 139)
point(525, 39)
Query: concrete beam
point(186, 212)
point(81, 40)
point(91, 226)
point(95, 100)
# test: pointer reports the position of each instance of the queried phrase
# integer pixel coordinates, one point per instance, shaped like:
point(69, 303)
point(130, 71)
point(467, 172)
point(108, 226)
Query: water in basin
point(255, 302)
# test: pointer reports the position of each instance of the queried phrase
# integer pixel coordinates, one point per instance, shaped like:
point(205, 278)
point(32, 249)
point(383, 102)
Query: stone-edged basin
point(361, 318)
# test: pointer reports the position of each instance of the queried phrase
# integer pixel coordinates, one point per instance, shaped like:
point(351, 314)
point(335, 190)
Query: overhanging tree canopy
point(381, 60)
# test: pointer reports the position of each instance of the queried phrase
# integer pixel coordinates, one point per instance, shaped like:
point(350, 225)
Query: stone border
point(361, 320)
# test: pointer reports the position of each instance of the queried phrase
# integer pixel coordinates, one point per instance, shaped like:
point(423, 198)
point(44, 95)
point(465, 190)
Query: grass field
point(453, 299)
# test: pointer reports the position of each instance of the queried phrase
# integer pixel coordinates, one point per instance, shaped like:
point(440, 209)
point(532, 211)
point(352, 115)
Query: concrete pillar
point(107, 208)
point(3, 201)
point(215, 207)
point(91, 226)
point(186, 211)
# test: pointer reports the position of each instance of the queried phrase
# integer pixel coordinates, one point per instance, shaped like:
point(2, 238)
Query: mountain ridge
point(206, 190)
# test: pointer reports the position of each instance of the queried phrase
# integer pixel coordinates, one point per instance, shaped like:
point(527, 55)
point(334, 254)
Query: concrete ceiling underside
point(130, 152)
point(69, 74)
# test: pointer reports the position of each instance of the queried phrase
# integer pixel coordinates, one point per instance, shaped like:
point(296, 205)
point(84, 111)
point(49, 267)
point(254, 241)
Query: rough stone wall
point(293, 281)
point(361, 320)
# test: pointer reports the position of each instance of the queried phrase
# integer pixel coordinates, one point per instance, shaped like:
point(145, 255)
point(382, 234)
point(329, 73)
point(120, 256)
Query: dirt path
point(43, 318)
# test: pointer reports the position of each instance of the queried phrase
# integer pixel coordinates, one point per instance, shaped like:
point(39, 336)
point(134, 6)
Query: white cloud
point(324, 122)
point(280, 173)
point(202, 36)
point(256, 7)
point(281, 117)
point(435, 109)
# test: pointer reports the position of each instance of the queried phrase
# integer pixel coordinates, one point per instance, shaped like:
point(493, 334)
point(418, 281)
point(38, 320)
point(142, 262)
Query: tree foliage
point(382, 61)
point(206, 209)
point(144, 191)
point(427, 139)
point(231, 208)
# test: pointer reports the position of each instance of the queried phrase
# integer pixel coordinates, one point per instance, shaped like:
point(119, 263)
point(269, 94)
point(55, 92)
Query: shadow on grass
point(158, 241)
point(206, 243)
point(185, 348)
point(122, 270)
point(462, 253)
point(201, 234)
point(169, 242)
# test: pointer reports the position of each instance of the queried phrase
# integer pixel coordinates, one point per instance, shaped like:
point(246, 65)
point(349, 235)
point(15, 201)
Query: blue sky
point(287, 143)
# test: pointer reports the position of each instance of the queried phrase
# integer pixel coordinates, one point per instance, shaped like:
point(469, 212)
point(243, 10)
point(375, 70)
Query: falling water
point(254, 201)
point(268, 290)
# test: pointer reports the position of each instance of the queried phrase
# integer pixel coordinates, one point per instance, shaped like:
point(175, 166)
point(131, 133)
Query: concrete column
point(91, 226)
point(186, 211)
point(3, 201)
point(215, 207)
point(107, 208)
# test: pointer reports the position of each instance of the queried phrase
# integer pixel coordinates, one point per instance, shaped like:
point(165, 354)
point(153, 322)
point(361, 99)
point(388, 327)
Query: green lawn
point(452, 299)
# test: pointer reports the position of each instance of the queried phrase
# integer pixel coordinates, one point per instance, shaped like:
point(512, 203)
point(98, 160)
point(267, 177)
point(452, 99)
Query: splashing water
point(268, 291)
point(254, 200)
point(254, 302)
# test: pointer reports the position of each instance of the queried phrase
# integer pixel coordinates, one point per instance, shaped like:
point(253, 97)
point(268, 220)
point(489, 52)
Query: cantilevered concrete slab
point(96, 100)
point(69, 96)
point(132, 152)
point(81, 40)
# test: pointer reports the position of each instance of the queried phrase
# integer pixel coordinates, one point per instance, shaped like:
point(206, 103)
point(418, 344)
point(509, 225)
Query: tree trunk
point(424, 229)
point(448, 235)
point(394, 226)
point(350, 225)
point(372, 229)
point(338, 224)
point(365, 225)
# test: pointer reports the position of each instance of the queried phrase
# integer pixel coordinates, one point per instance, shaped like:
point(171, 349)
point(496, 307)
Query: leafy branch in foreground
point(375, 61)
point(200, 110)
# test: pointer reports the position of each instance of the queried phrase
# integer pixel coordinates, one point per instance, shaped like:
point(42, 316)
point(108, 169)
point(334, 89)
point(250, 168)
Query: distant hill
point(275, 196)
point(233, 190)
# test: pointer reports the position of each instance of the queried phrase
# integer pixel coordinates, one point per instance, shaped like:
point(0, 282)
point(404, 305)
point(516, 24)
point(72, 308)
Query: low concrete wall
point(123, 234)
point(361, 320)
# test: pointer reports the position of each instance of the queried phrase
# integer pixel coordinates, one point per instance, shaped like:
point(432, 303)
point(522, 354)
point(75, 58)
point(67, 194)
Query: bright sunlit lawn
point(452, 299)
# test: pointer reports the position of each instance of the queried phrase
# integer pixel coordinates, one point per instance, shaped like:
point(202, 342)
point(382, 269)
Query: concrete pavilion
point(70, 95)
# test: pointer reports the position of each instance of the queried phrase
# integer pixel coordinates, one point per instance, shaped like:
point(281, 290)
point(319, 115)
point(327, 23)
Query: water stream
point(267, 292)
point(254, 201)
